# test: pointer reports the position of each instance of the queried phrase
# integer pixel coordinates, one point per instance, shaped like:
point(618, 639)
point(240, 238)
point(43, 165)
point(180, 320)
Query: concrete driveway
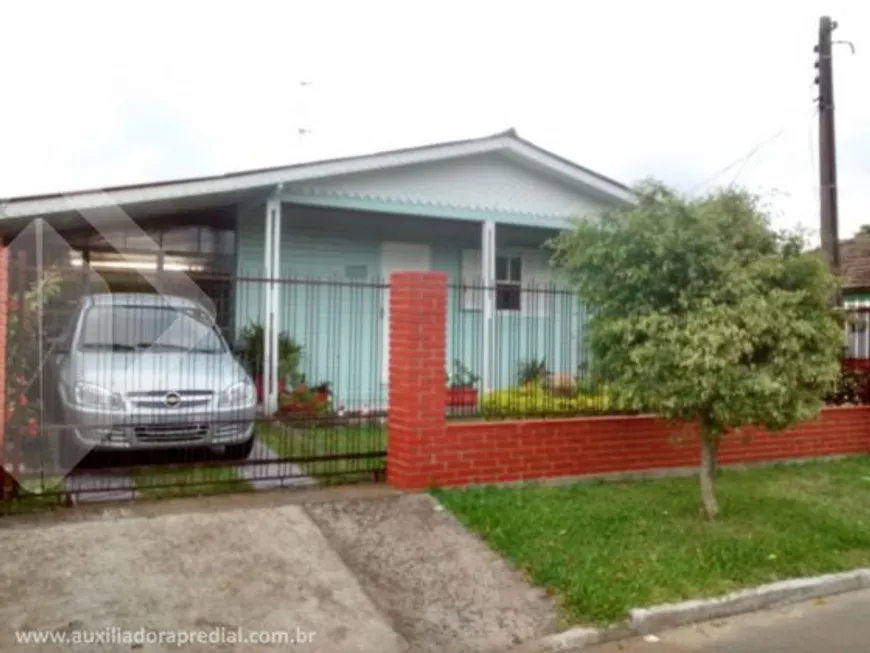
point(252, 580)
point(444, 590)
point(839, 624)
point(341, 570)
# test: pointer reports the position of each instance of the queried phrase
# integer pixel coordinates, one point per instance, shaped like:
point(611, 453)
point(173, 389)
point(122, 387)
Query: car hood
point(164, 372)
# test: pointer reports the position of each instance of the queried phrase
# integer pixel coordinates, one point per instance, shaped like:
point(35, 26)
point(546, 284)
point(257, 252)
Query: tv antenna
point(303, 130)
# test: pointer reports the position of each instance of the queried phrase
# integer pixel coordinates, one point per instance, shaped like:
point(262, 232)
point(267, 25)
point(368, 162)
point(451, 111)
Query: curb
point(645, 621)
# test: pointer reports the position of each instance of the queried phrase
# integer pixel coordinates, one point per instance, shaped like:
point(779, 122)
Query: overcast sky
point(103, 93)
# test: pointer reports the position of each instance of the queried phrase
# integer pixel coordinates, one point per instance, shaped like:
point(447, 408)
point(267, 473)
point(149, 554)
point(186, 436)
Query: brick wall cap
point(582, 419)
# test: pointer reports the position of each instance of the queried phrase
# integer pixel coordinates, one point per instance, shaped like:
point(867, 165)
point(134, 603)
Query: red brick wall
point(487, 452)
point(424, 450)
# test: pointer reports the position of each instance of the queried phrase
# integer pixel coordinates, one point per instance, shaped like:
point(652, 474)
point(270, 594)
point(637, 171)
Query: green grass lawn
point(192, 481)
point(603, 548)
point(29, 502)
point(35, 494)
point(303, 443)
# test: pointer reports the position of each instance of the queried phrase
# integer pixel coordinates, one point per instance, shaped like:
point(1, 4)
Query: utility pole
point(827, 151)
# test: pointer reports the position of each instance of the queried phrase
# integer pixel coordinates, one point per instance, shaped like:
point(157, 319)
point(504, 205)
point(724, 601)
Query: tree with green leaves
point(705, 314)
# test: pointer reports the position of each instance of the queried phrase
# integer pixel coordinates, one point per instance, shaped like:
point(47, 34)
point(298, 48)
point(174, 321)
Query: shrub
point(852, 388)
point(252, 353)
point(533, 400)
point(24, 319)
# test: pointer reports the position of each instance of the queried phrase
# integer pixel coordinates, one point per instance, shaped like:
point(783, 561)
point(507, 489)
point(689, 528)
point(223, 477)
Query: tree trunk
point(709, 449)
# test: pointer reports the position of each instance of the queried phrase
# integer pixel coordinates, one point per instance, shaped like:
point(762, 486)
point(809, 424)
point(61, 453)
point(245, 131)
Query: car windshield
point(151, 328)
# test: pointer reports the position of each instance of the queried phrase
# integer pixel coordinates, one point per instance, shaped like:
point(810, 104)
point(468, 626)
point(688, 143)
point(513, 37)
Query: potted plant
point(461, 386)
point(533, 372)
point(305, 404)
point(251, 353)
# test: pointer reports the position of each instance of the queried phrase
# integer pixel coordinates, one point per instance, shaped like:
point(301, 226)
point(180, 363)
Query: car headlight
point(241, 393)
point(90, 395)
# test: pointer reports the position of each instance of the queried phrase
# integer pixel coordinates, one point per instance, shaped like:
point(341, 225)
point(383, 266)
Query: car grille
point(157, 399)
point(229, 428)
point(171, 432)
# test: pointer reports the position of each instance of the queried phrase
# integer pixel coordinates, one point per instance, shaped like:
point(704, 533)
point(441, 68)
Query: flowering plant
point(306, 402)
point(23, 366)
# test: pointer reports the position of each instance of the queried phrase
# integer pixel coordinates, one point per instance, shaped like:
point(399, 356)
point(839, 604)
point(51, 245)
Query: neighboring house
point(476, 209)
point(855, 268)
point(855, 272)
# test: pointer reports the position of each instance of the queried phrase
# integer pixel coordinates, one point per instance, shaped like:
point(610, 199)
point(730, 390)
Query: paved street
point(840, 624)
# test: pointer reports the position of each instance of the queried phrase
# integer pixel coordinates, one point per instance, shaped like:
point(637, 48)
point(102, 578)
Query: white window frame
point(534, 272)
point(511, 259)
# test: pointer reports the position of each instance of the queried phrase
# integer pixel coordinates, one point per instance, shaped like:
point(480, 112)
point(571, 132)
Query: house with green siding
point(855, 268)
point(307, 250)
point(855, 274)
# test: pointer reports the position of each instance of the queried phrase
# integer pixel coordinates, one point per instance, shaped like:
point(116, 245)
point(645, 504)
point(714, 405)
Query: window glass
point(508, 270)
point(155, 328)
point(508, 297)
point(501, 268)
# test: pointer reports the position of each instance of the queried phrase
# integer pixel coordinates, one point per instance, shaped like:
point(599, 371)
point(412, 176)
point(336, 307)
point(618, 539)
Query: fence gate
point(117, 392)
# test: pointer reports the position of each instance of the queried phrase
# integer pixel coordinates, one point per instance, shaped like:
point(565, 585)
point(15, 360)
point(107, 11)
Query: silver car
point(143, 371)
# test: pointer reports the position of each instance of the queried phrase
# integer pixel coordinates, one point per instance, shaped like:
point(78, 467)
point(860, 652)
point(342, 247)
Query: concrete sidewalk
point(839, 623)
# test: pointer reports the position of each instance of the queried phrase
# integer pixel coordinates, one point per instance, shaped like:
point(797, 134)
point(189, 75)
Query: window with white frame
point(508, 283)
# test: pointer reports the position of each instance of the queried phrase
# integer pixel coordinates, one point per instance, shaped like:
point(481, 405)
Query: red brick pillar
point(418, 386)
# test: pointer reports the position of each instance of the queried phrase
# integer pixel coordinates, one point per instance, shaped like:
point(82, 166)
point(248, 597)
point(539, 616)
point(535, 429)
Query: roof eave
point(579, 177)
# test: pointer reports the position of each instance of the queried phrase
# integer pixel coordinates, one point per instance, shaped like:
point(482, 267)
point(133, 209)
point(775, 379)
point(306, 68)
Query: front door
point(398, 257)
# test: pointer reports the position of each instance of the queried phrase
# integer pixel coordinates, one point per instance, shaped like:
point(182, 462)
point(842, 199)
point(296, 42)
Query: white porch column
point(575, 334)
point(267, 307)
point(487, 276)
point(272, 303)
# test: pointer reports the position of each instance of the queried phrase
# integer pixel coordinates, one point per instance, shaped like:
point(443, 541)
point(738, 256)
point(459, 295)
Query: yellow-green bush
point(533, 400)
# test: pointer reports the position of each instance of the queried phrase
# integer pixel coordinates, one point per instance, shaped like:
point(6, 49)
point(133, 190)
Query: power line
point(742, 161)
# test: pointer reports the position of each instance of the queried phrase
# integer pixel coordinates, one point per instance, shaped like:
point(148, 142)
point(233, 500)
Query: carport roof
point(238, 186)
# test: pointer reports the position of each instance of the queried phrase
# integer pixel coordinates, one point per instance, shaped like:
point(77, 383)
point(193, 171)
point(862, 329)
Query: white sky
point(103, 93)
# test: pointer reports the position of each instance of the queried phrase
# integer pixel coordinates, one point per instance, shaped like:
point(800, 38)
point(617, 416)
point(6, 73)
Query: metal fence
point(526, 355)
point(519, 351)
point(115, 392)
point(858, 333)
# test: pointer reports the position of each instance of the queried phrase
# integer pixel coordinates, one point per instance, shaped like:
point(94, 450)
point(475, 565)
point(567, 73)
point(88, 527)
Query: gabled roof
point(855, 262)
point(507, 142)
